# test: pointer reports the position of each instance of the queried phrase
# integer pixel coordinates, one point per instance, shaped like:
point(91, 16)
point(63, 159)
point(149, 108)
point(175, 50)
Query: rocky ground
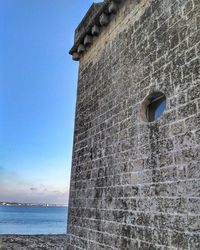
point(36, 242)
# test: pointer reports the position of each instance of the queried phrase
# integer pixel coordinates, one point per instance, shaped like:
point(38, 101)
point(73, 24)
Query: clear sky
point(38, 82)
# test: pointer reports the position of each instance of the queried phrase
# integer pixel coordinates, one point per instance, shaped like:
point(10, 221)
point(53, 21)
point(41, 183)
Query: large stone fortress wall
point(136, 184)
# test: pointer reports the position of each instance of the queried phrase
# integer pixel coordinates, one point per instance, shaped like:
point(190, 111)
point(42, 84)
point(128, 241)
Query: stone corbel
point(95, 30)
point(112, 8)
point(80, 49)
point(104, 20)
point(75, 56)
point(87, 40)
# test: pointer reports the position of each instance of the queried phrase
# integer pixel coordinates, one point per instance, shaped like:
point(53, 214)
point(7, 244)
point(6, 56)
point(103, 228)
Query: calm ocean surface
point(33, 220)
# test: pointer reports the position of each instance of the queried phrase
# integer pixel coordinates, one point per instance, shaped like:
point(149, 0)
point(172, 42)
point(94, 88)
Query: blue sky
point(38, 82)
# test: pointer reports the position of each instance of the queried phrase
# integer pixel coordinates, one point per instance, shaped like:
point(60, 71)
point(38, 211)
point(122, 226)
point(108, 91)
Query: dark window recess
point(156, 107)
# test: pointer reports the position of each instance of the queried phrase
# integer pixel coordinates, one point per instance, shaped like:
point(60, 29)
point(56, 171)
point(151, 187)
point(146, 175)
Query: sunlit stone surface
point(135, 184)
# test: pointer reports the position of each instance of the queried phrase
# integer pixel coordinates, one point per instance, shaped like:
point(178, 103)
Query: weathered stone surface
point(85, 23)
point(135, 184)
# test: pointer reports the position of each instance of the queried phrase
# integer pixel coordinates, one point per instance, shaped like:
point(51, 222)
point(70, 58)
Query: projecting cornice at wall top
point(97, 17)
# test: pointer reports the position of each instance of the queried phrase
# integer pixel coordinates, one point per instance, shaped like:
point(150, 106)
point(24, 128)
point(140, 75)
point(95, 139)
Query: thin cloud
point(15, 188)
point(56, 191)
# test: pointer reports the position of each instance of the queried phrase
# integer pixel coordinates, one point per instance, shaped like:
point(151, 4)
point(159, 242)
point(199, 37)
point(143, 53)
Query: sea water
point(33, 220)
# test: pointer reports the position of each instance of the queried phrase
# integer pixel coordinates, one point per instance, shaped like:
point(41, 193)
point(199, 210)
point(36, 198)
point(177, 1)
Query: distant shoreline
point(16, 204)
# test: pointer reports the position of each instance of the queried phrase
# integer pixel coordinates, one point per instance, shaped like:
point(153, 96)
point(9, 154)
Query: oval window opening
point(154, 106)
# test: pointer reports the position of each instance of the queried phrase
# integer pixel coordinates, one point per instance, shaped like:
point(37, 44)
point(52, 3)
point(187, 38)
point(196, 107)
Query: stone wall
point(135, 184)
